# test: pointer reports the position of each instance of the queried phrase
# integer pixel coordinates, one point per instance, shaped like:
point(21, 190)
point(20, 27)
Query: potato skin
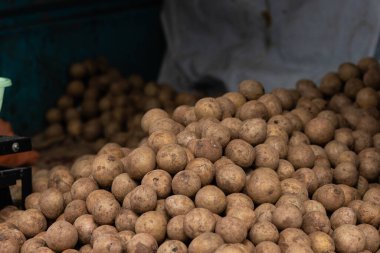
point(153, 223)
point(301, 156)
point(198, 221)
point(105, 168)
point(172, 246)
point(160, 181)
point(143, 198)
point(139, 162)
point(263, 231)
point(240, 152)
point(31, 222)
point(287, 216)
point(211, 198)
point(171, 158)
point(186, 183)
point(51, 203)
point(178, 205)
point(231, 229)
point(61, 235)
point(330, 196)
point(349, 239)
point(269, 190)
point(204, 169)
point(321, 242)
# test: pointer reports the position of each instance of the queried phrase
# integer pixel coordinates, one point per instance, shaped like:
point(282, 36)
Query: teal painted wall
point(40, 39)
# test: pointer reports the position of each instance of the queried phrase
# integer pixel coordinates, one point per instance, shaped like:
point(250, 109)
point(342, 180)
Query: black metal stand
point(9, 176)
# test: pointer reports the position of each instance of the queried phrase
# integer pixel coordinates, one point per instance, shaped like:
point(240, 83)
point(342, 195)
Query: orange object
point(15, 160)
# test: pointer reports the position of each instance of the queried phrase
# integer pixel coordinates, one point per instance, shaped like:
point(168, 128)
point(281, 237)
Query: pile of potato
point(290, 171)
point(101, 106)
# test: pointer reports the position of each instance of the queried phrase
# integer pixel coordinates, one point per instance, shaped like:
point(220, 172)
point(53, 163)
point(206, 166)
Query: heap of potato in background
point(101, 106)
point(288, 171)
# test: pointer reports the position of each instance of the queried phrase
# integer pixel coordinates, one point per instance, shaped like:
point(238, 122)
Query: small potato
point(372, 194)
point(352, 87)
point(316, 221)
point(285, 169)
point(125, 220)
point(372, 237)
point(61, 235)
point(230, 178)
point(30, 246)
point(51, 203)
point(103, 230)
point(142, 243)
point(205, 243)
point(31, 222)
point(103, 206)
point(330, 196)
point(251, 89)
point(160, 181)
point(172, 246)
point(239, 200)
point(139, 162)
point(298, 138)
point(266, 156)
point(312, 205)
point(272, 103)
point(253, 131)
point(324, 174)
point(320, 131)
point(75, 209)
point(124, 237)
point(349, 238)
point(350, 157)
point(234, 125)
point(264, 186)
point(186, 183)
point(342, 216)
point(240, 152)
point(227, 106)
point(206, 148)
point(208, 108)
point(212, 198)
point(291, 199)
point(308, 177)
point(267, 246)
point(171, 158)
point(175, 229)
point(105, 168)
point(264, 212)
point(278, 144)
point(85, 249)
point(151, 116)
point(178, 205)
point(299, 249)
point(143, 198)
point(263, 231)
point(301, 156)
point(203, 168)
point(217, 132)
point(32, 201)
point(107, 243)
point(231, 229)
point(369, 213)
point(321, 242)
point(82, 166)
point(113, 149)
point(185, 136)
point(85, 225)
point(82, 187)
point(243, 213)
point(198, 221)
point(330, 84)
point(350, 193)
point(122, 185)
point(291, 236)
point(367, 98)
point(153, 223)
point(160, 138)
point(277, 131)
point(287, 216)
point(61, 180)
point(294, 186)
point(346, 173)
point(252, 109)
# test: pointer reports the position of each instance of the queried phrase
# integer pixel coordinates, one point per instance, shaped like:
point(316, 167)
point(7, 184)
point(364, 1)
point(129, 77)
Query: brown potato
point(171, 158)
point(264, 212)
point(105, 168)
point(32, 245)
point(142, 242)
point(285, 169)
point(103, 206)
point(266, 156)
point(264, 186)
point(32, 201)
point(172, 246)
point(82, 187)
point(85, 225)
point(206, 148)
point(217, 132)
point(240, 152)
point(61, 179)
point(349, 238)
point(272, 103)
point(160, 181)
point(301, 156)
point(324, 173)
point(298, 138)
point(178, 205)
point(294, 186)
point(203, 168)
point(61, 235)
point(153, 223)
point(369, 213)
point(208, 108)
point(243, 213)
point(372, 194)
point(75, 209)
point(253, 131)
point(291, 236)
point(292, 199)
point(308, 177)
point(185, 136)
point(82, 166)
point(330, 196)
point(331, 84)
point(231, 229)
point(371, 236)
point(278, 144)
point(124, 237)
point(350, 193)
point(239, 200)
point(107, 243)
point(175, 229)
point(287, 216)
point(186, 183)
point(346, 173)
point(139, 162)
point(236, 98)
point(113, 149)
point(367, 98)
point(321, 242)
point(206, 242)
point(267, 246)
point(342, 216)
point(51, 203)
point(151, 116)
point(313, 205)
point(212, 198)
point(234, 125)
point(160, 138)
point(319, 130)
point(252, 109)
point(263, 231)
point(333, 150)
point(142, 199)
point(230, 178)
point(198, 221)
point(122, 185)
point(125, 220)
point(251, 89)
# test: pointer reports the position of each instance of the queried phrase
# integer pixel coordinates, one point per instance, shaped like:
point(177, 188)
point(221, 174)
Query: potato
point(184, 114)
point(312, 205)
point(285, 169)
point(113, 149)
point(105, 168)
point(367, 98)
point(33, 245)
point(198, 221)
point(338, 102)
point(371, 236)
point(85, 225)
point(324, 174)
point(153, 223)
point(61, 235)
point(263, 231)
point(124, 237)
point(32, 201)
point(294, 186)
point(151, 116)
point(264, 212)
point(267, 246)
point(299, 249)
point(75, 209)
point(346, 173)
point(175, 229)
point(298, 138)
point(178, 205)
point(186, 183)
point(330, 196)
point(319, 130)
point(139, 162)
point(266, 156)
point(160, 138)
point(9, 245)
point(206, 242)
point(185, 136)
point(330, 84)
point(122, 185)
point(349, 238)
point(61, 179)
point(243, 213)
point(206, 148)
point(303, 114)
point(352, 87)
point(103, 230)
point(301, 156)
point(278, 144)
point(227, 106)
point(277, 131)
point(252, 109)
point(142, 242)
point(82, 187)
point(287, 216)
point(240, 152)
point(9, 231)
point(125, 220)
point(217, 132)
point(348, 156)
point(203, 168)
point(342, 216)
point(253, 131)
point(316, 221)
point(230, 178)
point(236, 98)
point(293, 200)
point(103, 206)
point(234, 125)
point(251, 89)
point(143, 198)
point(82, 166)
point(272, 103)
point(264, 186)
point(107, 243)
point(51, 203)
point(160, 181)
point(230, 229)
point(292, 236)
point(239, 200)
point(212, 198)
point(350, 193)
point(171, 158)
point(362, 140)
point(372, 194)
point(308, 177)
point(208, 108)
point(172, 246)
point(369, 213)
point(86, 249)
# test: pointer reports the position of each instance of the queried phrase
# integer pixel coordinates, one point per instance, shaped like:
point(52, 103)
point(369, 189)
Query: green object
point(4, 82)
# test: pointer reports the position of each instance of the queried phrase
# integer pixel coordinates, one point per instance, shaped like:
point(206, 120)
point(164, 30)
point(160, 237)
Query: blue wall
point(40, 39)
